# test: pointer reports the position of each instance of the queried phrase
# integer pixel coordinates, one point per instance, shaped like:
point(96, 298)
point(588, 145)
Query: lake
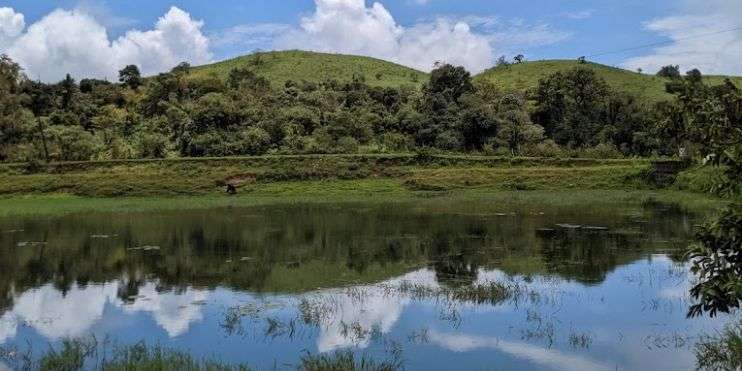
point(426, 285)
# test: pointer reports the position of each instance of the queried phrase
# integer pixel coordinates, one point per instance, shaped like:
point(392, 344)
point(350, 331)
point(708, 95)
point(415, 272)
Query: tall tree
point(131, 77)
point(571, 106)
point(68, 88)
point(16, 122)
point(514, 125)
point(714, 121)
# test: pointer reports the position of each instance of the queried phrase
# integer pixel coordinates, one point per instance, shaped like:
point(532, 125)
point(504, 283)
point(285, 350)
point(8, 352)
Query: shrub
point(152, 145)
point(73, 143)
point(601, 150)
point(347, 145)
point(547, 148)
point(255, 141)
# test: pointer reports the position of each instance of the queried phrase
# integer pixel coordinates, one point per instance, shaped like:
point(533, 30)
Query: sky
point(96, 38)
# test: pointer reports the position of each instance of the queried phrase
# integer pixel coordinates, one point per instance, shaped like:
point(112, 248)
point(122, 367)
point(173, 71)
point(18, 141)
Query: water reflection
point(612, 293)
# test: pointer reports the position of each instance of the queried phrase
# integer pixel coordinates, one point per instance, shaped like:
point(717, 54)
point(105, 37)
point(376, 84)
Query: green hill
point(278, 67)
point(526, 75)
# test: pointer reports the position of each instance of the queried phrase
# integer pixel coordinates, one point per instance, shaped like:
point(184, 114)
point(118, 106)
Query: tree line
point(179, 114)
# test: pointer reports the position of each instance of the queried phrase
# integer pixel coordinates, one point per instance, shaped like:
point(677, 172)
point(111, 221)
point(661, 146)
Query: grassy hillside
point(278, 67)
point(526, 76)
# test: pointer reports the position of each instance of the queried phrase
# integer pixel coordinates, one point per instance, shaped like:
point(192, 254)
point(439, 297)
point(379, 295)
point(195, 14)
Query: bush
point(73, 143)
point(347, 145)
point(396, 142)
point(601, 151)
point(255, 141)
point(152, 145)
point(547, 148)
point(448, 140)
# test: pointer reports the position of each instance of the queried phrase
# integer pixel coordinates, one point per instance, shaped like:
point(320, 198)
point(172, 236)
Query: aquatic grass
point(492, 293)
point(75, 354)
point(347, 361)
point(721, 351)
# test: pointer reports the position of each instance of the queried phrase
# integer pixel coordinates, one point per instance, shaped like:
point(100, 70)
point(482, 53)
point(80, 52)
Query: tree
point(477, 121)
point(571, 106)
point(670, 71)
point(713, 119)
point(502, 61)
point(449, 82)
point(519, 58)
point(16, 122)
point(183, 68)
point(131, 77)
point(514, 124)
point(68, 88)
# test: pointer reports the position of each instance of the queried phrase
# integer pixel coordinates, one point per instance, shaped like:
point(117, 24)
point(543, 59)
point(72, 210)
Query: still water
point(582, 288)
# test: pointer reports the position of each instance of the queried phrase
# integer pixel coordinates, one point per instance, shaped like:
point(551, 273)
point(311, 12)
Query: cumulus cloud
point(695, 41)
point(351, 27)
point(72, 41)
point(11, 26)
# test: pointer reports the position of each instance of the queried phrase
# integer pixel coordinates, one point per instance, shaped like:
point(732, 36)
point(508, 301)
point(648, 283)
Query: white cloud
point(173, 312)
point(11, 26)
point(56, 315)
point(351, 27)
point(545, 358)
point(72, 41)
point(694, 41)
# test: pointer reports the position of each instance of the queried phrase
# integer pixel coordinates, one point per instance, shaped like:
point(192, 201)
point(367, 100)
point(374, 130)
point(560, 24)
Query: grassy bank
point(200, 183)
point(368, 191)
point(269, 174)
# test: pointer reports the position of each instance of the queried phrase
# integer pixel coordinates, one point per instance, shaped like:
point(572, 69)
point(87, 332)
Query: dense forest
point(180, 114)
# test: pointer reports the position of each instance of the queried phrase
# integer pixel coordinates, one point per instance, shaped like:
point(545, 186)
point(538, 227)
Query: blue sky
point(407, 31)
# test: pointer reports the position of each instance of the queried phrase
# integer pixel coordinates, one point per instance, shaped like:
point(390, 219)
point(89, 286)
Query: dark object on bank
point(231, 190)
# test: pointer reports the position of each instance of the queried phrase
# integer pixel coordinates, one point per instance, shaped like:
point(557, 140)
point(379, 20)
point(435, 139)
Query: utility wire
point(662, 43)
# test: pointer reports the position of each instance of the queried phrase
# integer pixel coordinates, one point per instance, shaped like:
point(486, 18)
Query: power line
point(662, 43)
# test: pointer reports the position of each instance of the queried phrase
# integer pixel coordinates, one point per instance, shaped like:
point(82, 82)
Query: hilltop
point(281, 66)
point(527, 74)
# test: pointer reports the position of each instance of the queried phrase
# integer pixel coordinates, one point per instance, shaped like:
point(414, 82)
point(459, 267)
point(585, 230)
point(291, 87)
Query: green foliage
point(711, 119)
point(243, 111)
point(717, 262)
point(670, 72)
point(346, 361)
point(526, 75)
point(131, 77)
point(722, 351)
point(514, 124)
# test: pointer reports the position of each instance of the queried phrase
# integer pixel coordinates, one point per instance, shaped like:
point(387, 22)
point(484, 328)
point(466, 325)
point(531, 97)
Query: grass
point(346, 361)
point(722, 351)
point(88, 354)
point(492, 293)
point(174, 184)
point(526, 76)
point(279, 67)
point(484, 200)
point(279, 174)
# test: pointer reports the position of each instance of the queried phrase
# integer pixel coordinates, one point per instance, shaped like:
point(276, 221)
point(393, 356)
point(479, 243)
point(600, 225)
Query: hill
point(278, 67)
point(526, 75)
